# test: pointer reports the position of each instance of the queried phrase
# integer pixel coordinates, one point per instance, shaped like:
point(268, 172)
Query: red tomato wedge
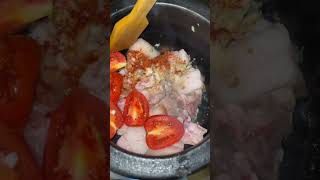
point(116, 82)
point(76, 146)
point(19, 71)
point(26, 167)
point(136, 109)
point(117, 61)
point(116, 120)
point(163, 131)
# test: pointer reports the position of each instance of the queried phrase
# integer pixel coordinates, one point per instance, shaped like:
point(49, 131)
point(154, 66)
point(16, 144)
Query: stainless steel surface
point(171, 25)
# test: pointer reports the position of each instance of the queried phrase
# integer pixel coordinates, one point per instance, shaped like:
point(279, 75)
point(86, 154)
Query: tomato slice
point(136, 110)
point(19, 71)
point(76, 144)
point(26, 166)
point(117, 61)
point(116, 120)
point(116, 81)
point(163, 131)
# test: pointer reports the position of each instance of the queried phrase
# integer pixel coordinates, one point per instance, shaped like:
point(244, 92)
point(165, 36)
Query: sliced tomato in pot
point(19, 70)
point(116, 120)
point(117, 61)
point(76, 146)
point(136, 109)
point(116, 82)
point(25, 166)
point(163, 131)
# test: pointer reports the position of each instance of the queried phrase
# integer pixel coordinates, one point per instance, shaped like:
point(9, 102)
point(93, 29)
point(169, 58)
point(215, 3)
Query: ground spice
point(138, 61)
point(141, 61)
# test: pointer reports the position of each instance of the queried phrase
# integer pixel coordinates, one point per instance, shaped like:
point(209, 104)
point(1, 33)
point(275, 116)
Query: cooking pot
point(174, 24)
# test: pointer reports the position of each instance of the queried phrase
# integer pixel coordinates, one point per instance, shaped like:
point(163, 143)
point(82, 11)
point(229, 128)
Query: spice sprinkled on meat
point(171, 86)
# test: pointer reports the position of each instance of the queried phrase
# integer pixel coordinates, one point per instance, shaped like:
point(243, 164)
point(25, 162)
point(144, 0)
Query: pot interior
point(174, 28)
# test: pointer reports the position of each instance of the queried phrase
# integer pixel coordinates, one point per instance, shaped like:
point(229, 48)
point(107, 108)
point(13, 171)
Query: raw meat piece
point(228, 125)
point(153, 94)
point(257, 64)
point(171, 106)
point(189, 104)
point(189, 82)
point(134, 140)
point(180, 56)
point(175, 148)
point(253, 90)
point(121, 131)
point(144, 47)
point(158, 110)
point(254, 130)
point(193, 133)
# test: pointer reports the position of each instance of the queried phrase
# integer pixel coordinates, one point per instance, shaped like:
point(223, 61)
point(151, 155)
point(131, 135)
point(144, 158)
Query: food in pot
point(136, 109)
point(163, 131)
point(117, 61)
point(256, 82)
point(159, 100)
point(116, 120)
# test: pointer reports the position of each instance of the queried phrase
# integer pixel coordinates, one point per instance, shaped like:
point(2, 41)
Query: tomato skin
point(163, 131)
point(116, 120)
point(117, 61)
point(116, 83)
point(136, 105)
point(78, 107)
point(26, 167)
point(25, 54)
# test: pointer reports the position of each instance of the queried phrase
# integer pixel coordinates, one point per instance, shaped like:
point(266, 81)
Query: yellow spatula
point(128, 29)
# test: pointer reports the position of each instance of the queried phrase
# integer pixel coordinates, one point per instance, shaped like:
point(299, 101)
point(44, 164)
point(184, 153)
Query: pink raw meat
point(134, 140)
point(193, 133)
point(175, 148)
point(254, 130)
